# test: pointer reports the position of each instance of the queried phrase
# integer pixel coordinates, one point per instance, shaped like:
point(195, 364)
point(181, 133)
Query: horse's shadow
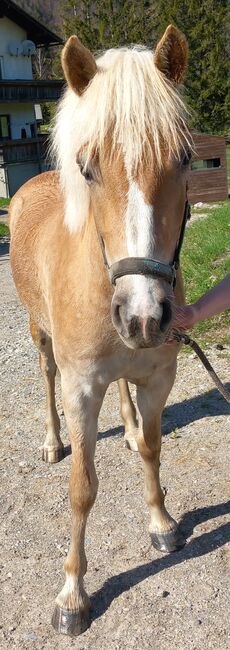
point(205, 543)
point(116, 431)
point(195, 408)
point(177, 416)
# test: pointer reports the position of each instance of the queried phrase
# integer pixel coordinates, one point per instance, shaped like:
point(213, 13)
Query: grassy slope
point(205, 261)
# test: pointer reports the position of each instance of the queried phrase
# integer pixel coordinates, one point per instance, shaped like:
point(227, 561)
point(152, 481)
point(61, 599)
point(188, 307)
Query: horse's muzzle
point(141, 332)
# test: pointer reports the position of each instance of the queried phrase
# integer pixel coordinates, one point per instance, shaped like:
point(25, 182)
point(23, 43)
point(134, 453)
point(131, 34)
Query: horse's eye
point(87, 175)
point(85, 172)
point(186, 158)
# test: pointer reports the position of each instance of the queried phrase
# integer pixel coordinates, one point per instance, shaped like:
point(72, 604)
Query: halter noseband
point(145, 265)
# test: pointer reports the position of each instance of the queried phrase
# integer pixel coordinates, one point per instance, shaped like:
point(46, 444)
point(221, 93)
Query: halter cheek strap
point(147, 266)
point(186, 217)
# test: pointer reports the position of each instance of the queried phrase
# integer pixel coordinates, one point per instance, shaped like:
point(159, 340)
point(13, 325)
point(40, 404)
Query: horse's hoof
point(70, 622)
point(168, 542)
point(53, 455)
point(130, 442)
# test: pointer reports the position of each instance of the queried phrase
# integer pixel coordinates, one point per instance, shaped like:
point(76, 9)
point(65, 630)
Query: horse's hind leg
point(128, 414)
point(53, 449)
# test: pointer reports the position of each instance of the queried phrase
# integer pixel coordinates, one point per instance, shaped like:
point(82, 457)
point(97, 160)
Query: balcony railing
point(30, 90)
point(25, 150)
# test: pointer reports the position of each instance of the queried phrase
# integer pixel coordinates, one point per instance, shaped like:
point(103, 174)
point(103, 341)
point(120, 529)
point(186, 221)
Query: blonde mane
point(133, 101)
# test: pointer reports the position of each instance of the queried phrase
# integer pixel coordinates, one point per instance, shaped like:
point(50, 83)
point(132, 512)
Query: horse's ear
point(171, 55)
point(78, 64)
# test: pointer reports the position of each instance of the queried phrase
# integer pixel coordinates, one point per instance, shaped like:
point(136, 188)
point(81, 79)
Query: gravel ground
point(140, 599)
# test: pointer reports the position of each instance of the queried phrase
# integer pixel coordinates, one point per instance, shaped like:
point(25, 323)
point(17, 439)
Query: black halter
point(147, 266)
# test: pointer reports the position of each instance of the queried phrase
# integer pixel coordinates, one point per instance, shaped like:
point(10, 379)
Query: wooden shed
point(208, 179)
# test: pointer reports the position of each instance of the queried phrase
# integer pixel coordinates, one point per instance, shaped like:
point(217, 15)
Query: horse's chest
point(138, 366)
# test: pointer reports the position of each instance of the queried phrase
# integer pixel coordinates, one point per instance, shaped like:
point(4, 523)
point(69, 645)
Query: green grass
point(44, 128)
point(4, 230)
point(205, 261)
point(4, 202)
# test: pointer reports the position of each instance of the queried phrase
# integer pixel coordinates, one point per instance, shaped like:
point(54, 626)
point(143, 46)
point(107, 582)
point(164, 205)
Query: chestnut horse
point(92, 251)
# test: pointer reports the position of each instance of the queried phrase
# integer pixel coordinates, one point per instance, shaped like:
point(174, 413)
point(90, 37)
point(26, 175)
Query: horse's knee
point(149, 446)
point(83, 486)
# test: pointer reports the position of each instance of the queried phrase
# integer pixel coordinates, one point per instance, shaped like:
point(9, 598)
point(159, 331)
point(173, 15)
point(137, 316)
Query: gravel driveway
point(141, 599)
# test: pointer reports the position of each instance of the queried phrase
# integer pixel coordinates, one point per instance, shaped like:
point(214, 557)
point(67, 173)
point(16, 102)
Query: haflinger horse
point(93, 254)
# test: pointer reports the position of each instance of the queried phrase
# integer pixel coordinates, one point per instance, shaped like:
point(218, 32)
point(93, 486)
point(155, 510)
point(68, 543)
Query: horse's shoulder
point(36, 200)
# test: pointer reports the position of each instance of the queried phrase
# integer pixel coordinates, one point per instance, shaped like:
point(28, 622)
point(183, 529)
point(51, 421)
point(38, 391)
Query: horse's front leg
point(82, 402)
point(151, 398)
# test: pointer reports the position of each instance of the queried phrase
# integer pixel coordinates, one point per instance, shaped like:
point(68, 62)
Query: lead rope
point(184, 338)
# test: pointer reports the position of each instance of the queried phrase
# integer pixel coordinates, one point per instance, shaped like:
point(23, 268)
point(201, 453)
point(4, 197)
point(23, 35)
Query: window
point(211, 163)
point(5, 131)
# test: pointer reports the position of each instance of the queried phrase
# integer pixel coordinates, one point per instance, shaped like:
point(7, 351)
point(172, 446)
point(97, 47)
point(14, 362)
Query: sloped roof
point(36, 31)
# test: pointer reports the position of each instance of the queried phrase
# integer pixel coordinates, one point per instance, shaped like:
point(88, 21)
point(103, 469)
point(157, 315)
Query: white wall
point(14, 67)
point(21, 116)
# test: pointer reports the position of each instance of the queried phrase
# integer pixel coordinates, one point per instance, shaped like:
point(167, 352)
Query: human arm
point(211, 303)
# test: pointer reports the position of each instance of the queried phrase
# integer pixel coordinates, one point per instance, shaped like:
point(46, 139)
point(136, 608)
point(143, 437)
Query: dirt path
point(140, 599)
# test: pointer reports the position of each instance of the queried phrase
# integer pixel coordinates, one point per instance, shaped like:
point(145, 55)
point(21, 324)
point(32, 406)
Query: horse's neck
point(84, 257)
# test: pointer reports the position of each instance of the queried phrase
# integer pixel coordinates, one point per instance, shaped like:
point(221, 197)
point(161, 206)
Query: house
point(22, 148)
point(208, 178)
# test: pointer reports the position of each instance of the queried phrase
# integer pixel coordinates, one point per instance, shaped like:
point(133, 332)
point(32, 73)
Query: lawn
point(205, 261)
point(4, 230)
point(4, 202)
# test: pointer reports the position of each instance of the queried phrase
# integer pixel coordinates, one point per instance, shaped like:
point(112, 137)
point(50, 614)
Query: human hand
point(184, 317)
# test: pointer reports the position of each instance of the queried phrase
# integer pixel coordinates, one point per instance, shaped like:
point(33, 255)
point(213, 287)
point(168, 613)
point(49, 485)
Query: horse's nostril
point(134, 326)
point(166, 315)
point(116, 314)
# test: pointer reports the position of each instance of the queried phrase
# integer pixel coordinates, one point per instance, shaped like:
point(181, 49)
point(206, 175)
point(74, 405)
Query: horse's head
point(124, 151)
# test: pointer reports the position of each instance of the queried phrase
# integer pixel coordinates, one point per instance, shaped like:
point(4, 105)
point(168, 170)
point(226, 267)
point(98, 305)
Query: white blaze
point(140, 243)
point(139, 223)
